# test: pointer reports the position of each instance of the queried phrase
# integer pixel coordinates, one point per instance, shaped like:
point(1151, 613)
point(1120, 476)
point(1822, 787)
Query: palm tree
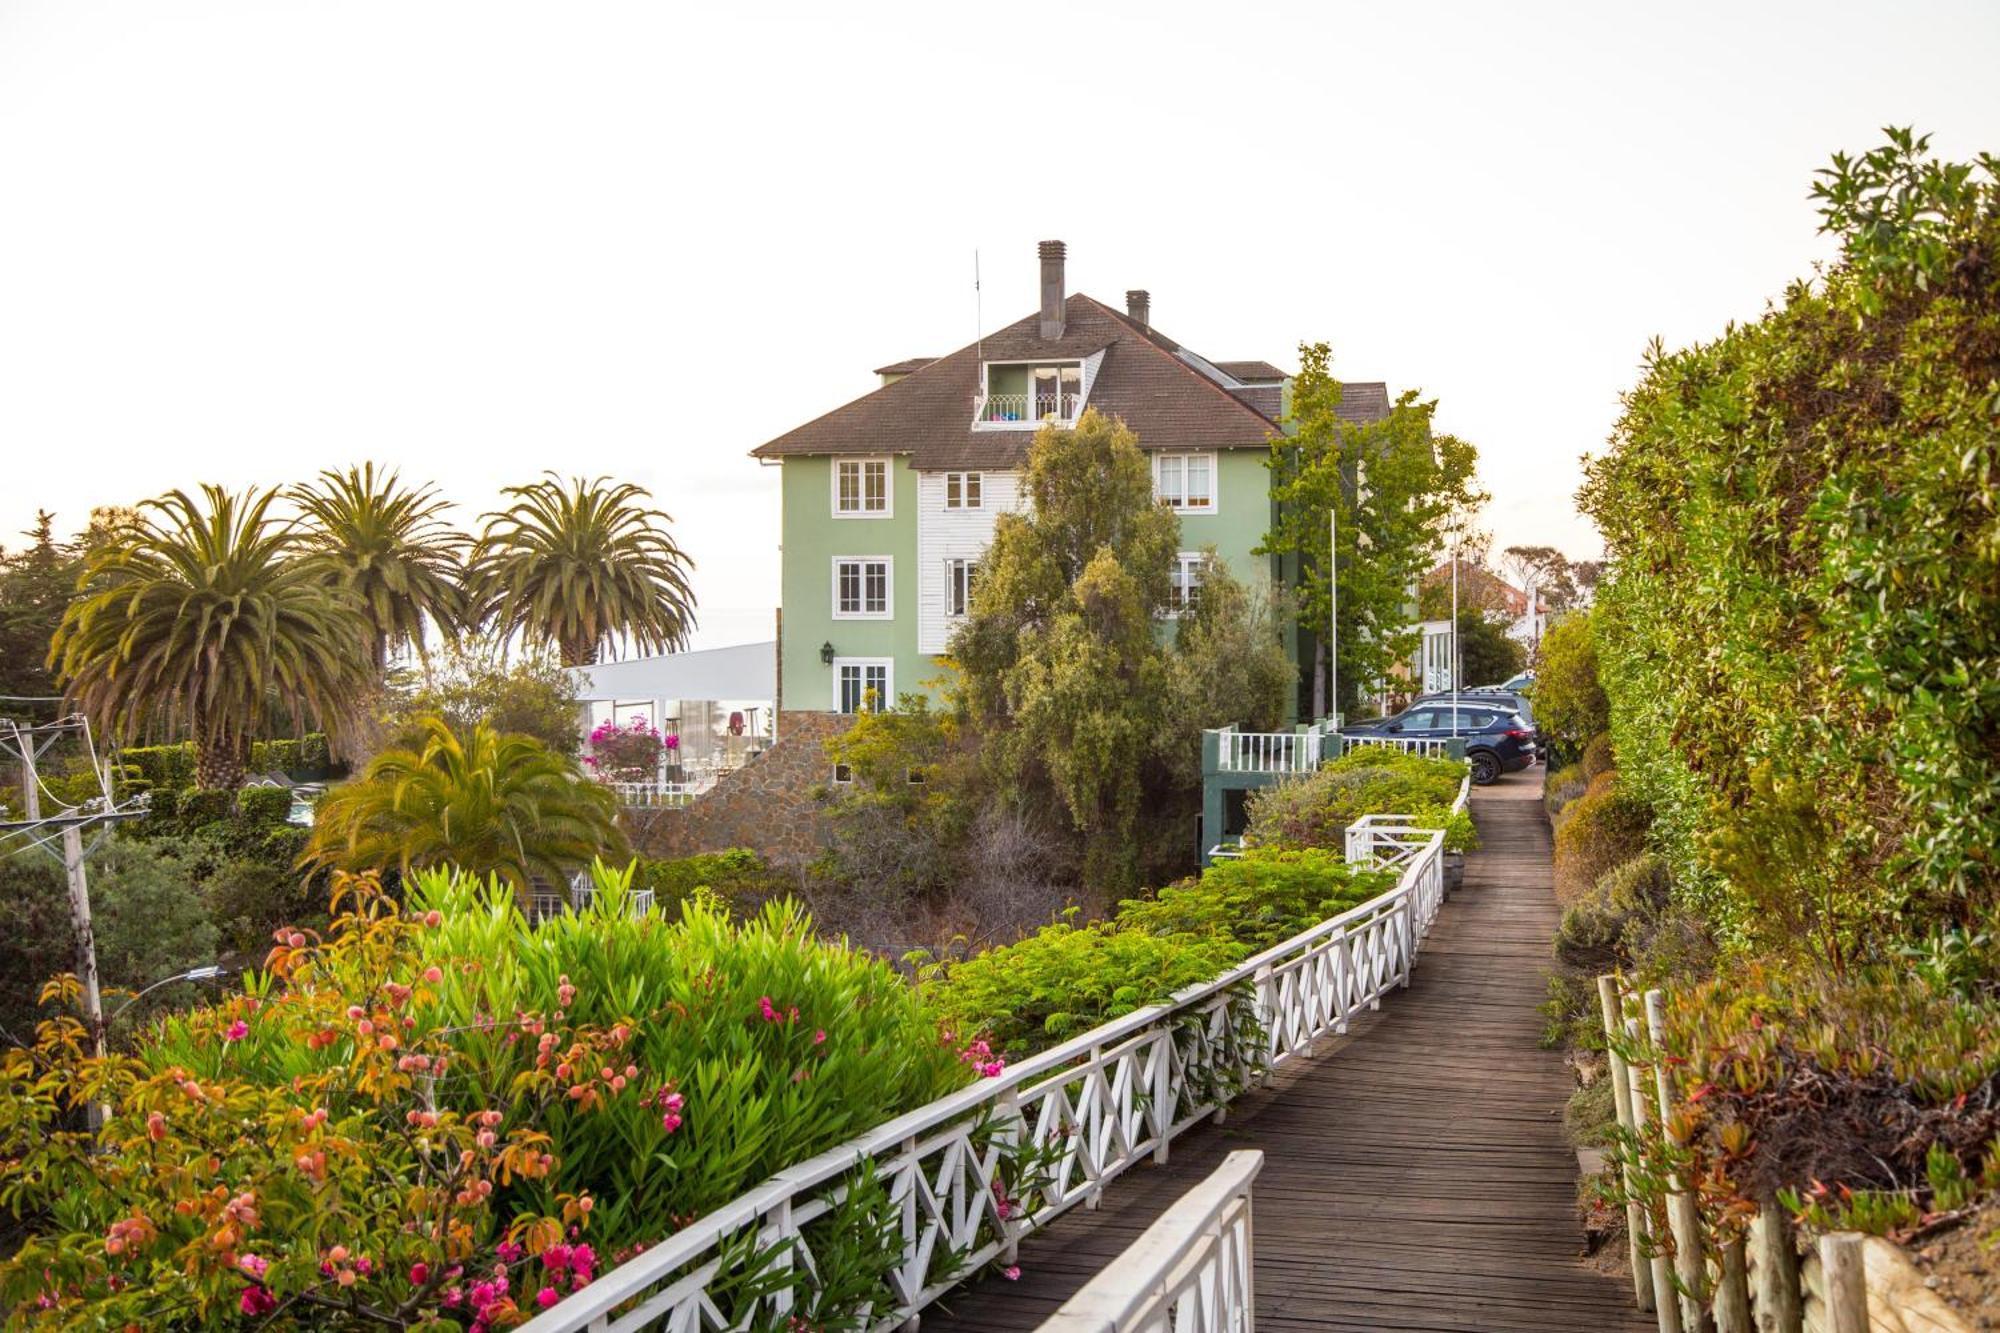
point(487, 803)
point(387, 545)
point(581, 565)
point(198, 618)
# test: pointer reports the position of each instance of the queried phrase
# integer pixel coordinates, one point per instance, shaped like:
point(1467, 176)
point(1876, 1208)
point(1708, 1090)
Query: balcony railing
point(545, 901)
point(655, 795)
point(1268, 751)
point(1026, 409)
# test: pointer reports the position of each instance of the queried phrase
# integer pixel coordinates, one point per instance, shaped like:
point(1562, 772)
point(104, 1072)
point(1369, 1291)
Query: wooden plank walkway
point(1415, 1175)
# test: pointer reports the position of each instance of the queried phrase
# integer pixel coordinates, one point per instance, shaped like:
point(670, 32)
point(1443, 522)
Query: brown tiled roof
point(1142, 379)
point(1363, 401)
point(1251, 372)
point(914, 363)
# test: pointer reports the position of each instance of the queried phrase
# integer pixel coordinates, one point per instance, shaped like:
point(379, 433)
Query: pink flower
point(1012, 1272)
point(419, 1274)
point(508, 1251)
point(582, 1260)
point(546, 1297)
point(256, 1301)
point(819, 1037)
point(253, 1265)
point(237, 1031)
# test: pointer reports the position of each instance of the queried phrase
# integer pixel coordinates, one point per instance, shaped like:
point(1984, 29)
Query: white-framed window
point(961, 490)
point(862, 587)
point(958, 577)
point(1188, 566)
point(1186, 482)
point(861, 488)
point(863, 684)
point(843, 774)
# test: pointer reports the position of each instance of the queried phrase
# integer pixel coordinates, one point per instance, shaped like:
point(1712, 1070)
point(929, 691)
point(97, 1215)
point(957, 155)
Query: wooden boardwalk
point(1415, 1174)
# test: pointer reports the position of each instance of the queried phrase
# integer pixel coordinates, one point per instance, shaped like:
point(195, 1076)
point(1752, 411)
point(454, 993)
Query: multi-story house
point(889, 501)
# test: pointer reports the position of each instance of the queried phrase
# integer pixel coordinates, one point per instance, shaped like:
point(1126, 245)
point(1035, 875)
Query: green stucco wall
point(1241, 518)
point(812, 538)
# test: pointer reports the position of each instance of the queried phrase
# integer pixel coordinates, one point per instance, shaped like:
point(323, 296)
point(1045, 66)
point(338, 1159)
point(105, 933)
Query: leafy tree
point(484, 802)
point(1393, 485)
point(199, 616)
point(1062, 673)
point(1487, 656)
point(1543, 571)
point(580, 566)
point(472, 680)
point(900, 821)
point(387, 545)
point(36, 585)
point(1228, 664)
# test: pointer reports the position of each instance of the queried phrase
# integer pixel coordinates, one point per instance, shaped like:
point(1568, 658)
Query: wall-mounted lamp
point(826, 653)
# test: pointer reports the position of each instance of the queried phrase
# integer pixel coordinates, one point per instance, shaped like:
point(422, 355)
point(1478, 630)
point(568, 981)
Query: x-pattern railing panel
point(1077, 1116)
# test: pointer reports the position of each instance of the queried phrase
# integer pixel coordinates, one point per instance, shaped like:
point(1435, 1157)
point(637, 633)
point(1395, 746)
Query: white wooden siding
point(952, 534)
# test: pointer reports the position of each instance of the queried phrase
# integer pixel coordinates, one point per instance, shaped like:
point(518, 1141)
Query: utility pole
point(79, 885)
point(28, 744)
point(1333, 607)
point(1454, 635)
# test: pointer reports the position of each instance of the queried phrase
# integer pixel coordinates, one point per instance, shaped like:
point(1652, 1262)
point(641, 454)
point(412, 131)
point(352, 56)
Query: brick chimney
point(1052, 290)
point(1139, 305)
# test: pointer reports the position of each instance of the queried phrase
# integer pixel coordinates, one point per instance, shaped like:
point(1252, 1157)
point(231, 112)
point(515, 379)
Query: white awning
point(744, 671)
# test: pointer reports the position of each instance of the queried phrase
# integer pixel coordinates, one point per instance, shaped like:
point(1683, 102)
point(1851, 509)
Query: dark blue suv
point(1496, 739)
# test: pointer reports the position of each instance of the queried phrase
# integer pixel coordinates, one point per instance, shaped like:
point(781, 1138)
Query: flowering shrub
point(630, 753)
point(216, 1193)
point(447, 1117)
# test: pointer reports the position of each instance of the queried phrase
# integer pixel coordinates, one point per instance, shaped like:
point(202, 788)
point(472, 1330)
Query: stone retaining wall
point(767, 805)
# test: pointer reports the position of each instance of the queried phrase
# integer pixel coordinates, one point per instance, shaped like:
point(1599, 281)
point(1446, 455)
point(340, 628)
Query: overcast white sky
point(240, 242)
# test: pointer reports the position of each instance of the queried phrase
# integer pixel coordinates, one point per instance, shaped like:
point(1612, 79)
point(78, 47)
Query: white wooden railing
point(545, 902)
point(1268, 751)
point(653, 795)
point(1081, 1114)
point(1431, 747)
point(1189, 1272)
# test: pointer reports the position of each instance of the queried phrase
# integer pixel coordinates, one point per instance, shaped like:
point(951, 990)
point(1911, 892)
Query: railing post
point(1409, 935)
point(1621, 1096)
point(1163, 1096)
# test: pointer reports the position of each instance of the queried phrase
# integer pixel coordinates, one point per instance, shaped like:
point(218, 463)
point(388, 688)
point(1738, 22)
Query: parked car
point(1522, 682)
point(1489, 695)
point(1497, 739)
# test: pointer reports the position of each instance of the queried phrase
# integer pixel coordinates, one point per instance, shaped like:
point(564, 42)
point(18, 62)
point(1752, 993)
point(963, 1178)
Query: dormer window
point(1024, 395)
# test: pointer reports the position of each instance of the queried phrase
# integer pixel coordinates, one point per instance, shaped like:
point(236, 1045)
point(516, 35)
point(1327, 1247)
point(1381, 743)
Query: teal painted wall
point(812, 538)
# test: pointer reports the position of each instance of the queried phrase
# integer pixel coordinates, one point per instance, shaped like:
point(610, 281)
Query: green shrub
point(738, 878)
point(1570, 703)
point(1260, 899)
point(1314, 811)
point(249, 896)
point(1597, 756)
point(1560, 788)
point(264, 805)
point(1600, 829)
point(167, 767)
point(1066, 979)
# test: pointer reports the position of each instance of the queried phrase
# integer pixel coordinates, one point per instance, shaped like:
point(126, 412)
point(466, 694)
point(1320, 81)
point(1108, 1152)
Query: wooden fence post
point(1778, 1307)
point(1846, 1279)
point(1609, 1001)
point(1732, 1291)
point(1665, 1307)
point(1682, 1214)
